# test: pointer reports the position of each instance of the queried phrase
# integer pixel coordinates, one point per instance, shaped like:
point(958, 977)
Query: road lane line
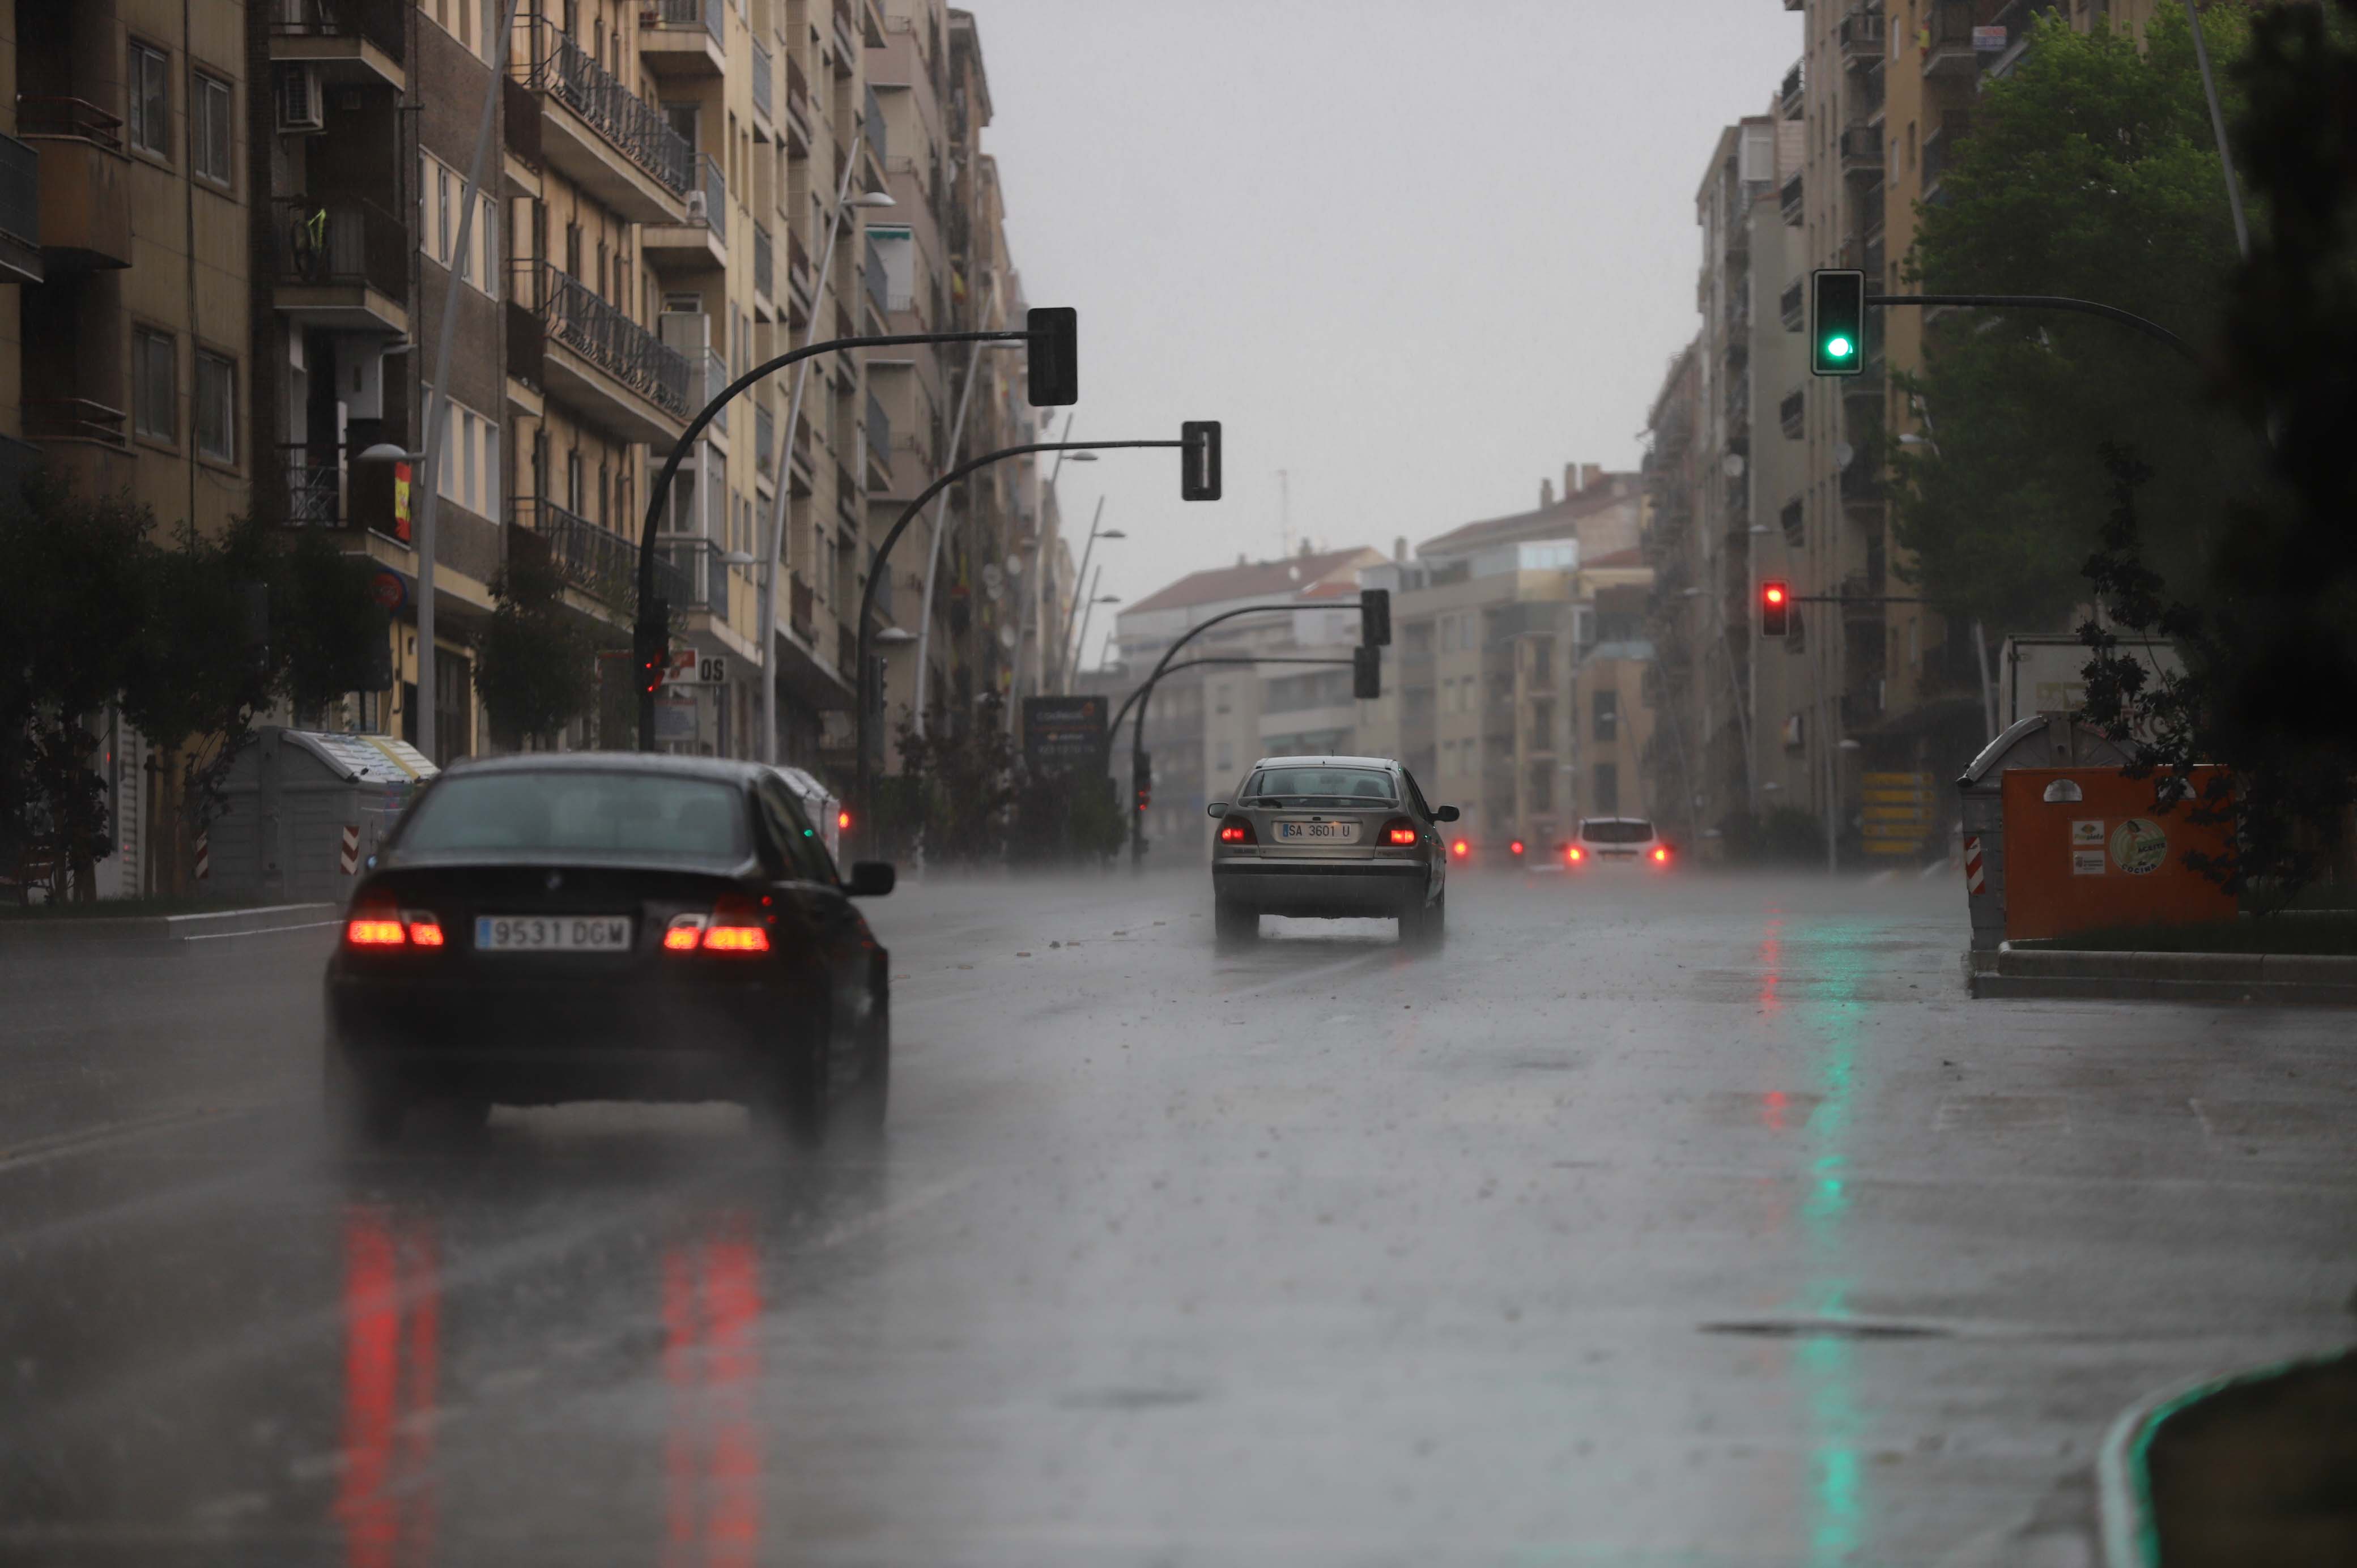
point(866, 1224)
point(258, 931)
point(60, 1146)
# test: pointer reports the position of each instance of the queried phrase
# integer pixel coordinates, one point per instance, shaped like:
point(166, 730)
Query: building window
point(216, 406)
point(154, 385)
point(208, 128)
point(148, 94)
point(1607, 708)
point(1608, 789)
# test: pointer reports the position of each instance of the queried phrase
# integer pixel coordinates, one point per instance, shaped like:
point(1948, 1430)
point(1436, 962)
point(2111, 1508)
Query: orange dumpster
point(2086, 847)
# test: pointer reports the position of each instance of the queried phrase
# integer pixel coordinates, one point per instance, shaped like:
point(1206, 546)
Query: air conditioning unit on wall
point(300, 108)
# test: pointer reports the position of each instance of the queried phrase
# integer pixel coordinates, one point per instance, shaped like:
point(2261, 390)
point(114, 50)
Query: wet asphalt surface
point(1696, 1222)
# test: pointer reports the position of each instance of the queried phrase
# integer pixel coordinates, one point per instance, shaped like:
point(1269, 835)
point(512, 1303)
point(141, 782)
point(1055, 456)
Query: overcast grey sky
point(1420, 253)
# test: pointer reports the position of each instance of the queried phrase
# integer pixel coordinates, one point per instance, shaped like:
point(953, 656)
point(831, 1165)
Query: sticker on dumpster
point(2139, 846)
point(2086, 862)
point(2083, 834)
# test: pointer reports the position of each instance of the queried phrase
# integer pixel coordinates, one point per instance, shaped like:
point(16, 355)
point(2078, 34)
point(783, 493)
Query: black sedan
point(604, 925)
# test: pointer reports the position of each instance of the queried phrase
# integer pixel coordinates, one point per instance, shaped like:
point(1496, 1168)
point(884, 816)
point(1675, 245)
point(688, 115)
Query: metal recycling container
point(2042, 740)
point(304, 809)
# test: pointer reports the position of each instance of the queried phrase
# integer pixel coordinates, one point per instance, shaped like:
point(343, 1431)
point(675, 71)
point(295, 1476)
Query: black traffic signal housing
point(1199, 457)
point(1775, 607)
point(651, 656)
point(1055, 334)
point(1836, 322)
point(1142, 767)
point(1375, 618)
point(1366, 673)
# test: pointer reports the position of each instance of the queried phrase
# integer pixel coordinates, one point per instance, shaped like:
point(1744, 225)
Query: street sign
point(1061, 734)
point(1989, 40)
point(690, 668)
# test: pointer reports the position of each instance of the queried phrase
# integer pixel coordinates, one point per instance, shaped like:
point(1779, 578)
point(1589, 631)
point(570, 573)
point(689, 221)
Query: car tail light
point(1575, 854)
point(1661, 854)
point(842, 818)
point(736, 925)
point(378, 927)
point(425, 929)
point(1236, 830)
point(1517, 847)
point(1399, 832)
point(1460, 849)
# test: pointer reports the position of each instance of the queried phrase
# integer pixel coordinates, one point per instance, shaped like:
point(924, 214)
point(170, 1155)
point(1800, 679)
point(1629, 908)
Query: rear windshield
point(1616, 831)
point(620, 816)
point(1319, 786)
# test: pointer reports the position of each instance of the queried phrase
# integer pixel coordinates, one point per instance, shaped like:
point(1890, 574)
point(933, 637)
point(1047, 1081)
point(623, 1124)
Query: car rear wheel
point(363, 1109)
point(793, 1097)
point(1235, 924)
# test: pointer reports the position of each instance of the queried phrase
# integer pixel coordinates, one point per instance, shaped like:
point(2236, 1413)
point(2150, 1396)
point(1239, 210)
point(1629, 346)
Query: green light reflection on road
point(1823, 1363)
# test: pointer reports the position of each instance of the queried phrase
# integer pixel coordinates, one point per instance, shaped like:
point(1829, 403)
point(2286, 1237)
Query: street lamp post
point(1031, 585)
point(773, 553)
point(1088, 613)
point(1072, 649)
point(1200, 452)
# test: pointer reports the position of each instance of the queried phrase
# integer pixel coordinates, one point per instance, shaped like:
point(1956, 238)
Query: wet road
point(1693, 1224)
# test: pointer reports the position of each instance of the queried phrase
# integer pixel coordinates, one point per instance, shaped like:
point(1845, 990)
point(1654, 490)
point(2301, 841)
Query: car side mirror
point(1444, 813)
point(1216, 809)
point(871, 878)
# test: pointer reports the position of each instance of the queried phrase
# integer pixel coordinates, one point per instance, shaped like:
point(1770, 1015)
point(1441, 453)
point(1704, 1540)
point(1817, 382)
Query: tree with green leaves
point(2090, 171)
point(2267, 621)
point(536, 667)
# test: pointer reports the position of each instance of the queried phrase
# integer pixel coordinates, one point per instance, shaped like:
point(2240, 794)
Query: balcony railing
point(314, 491)
point(598, 561)
point(715, 381)
point(573, 314)
point(21, 190)
point(73, 419)
point(764, 83)
point(872, 122)
point(1948, 40)
point(1791, 202)
point(708, 202)
point(878, 287)
point(1791, 308)
point(798, 263)
point(378, 21)
point(765, 262)
point(1861, 151)
point(1792, 95)
point(802, 608)
point(713, 14)
point(1939, 146)
point(351, 244)
point(692, 575)
point(570, 74)
point(75, 117)
point(1790, 414)
point(1862, 33)
point(764, 441)
point(798, 99)
point(880, 432)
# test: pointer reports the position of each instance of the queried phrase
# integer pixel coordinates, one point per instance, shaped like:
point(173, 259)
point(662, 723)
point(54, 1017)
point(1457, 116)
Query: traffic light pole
point(650, 636)
point(2152, 329)
point(1144, 694)
point(863, 694)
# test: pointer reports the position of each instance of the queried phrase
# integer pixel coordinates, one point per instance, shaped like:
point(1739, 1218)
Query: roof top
point(1254, 580)
point(1546, 522)
point(721, 768)
point(1327, 762)
point(1632, 556)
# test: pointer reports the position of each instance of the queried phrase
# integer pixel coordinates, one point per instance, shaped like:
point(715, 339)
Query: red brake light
point(842, 818)
point(378, 928)
point(1575, 854)
point(424, 931)
point(685, 932)
point(1516, 846)
point(738, 925)
point(1236, 830)
point(1661, 854)
point(1398, 834)
point(1460, 849)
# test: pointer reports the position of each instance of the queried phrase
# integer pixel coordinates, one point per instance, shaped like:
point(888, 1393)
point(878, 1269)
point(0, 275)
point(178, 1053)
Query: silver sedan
point(1330, 838)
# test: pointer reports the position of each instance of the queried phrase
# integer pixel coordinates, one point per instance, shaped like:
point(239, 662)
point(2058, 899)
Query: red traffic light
point(1775, 607)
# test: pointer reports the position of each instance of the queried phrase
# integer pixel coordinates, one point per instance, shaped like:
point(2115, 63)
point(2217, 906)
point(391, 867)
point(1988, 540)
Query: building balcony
point(878, 282)
point(801, 281)
point(1790, 413)
point(765, 274)
point(1862, 35)
point(1792, 306)
point(848, 40)
point(765, 94)
point(349, 43)
point(684, 38)
point(315, 489)
point(880, 444)
point(343, 267)
point(82, 442)
point(1940, 148)
point(697, 241)
point(765, 444)
point(714, 381)
point(693, 576)
point(82, 183)
point(604, 137)
point(797, 126)
point(1791, 98)
point(1860, 152)
point(596, 560)
point(20, 212)
point(596, 360)
point(1791, 203)
point(801, 609)
point(1948, 42)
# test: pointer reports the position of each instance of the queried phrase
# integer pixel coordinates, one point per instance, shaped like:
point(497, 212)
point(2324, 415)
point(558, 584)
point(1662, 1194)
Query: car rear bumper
point(1327, 889)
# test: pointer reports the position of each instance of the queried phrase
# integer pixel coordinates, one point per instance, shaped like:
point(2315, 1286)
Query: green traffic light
point(1838, 348)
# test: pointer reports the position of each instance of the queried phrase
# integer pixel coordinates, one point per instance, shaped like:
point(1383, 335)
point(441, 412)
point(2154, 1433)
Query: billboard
point(1061, 734)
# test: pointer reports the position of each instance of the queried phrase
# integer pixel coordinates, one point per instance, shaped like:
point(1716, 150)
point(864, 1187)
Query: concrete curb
point(2279, 979)
point(2124, 1482)
point(167, 928)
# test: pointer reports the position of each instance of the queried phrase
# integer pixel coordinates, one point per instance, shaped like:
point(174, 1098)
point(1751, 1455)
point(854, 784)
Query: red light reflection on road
point(392, 1327)
point(1772, 966)
point(712, 1361)
point(1771, 1108)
